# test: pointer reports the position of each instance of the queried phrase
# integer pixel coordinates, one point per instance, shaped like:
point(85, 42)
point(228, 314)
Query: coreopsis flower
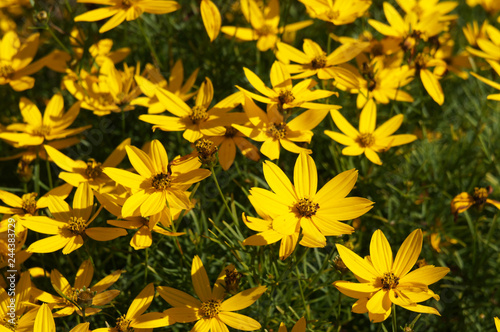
point(24, 318)
point(271, 128)
point(37, 130)
point(158, 181)
point(368, 140)
point(211, 18)
point(143, 237)
point(384, 281)
point(70, 225)
point(78, 171)
point(81, 296)
point(135, 311)
point(210, 311)
point(155, 79)
point(496, 68)
point(121, 10)
point(314, 61)
point(382, 83)
point(302, 207)
point(473, 32)
point(194, 121)
point(430, 79)
point(425, 8)
point(264, 24)
point(16, 61)
point(463, 201)
point(300, 326)
point(455, 63)
point(284, 94)
point(336, 11)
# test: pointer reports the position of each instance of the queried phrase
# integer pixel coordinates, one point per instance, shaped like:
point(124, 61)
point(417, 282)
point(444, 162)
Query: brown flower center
point(206, 152)
point(210, 308)
point(333, 14)
point(319, 61)
point(29, 203)
point(6, 71)
point(9, 323)
point(127, 3)
point(232, 281)
point(365, 140)
point(122, 324)
point(76, 225)
point(82, 297)
point(277, 130)
point(198, 114)
point(93, 169)
point(285, 97)
point(389, 281)
point(41, 131)
point(264, 30)
point(161, 181)
point(480, 195)
point(306, 207)
point(230, 131)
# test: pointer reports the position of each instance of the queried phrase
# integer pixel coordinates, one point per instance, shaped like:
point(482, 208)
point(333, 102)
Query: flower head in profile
point(15, 61)
point(337, 12)
point(264, 24)
point(210, 311)
point(37, 130)
point(158, 180)
point(284, 94)
point(70, 226)
point(463, 201)
point(121, 10)
point(368, 140)
point(301, 207)
point(384, 280)
point(80, 297)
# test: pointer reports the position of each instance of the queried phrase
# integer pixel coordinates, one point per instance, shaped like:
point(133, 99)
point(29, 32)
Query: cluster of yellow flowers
point(156, 192)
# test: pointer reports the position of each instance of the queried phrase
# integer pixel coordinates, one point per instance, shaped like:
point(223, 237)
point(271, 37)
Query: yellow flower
point(271, 128)
point(143, 238)
point(496, 68)
point(15, 59)
point(301, 206)
point(430, 79)
point(300, 326)
point(121, 10)
point(78, 171)
point(157, 182)
point(337, 11)
point(463, 201)
point(314, 61)
point(44, 321)
point(491, 6)
point(383, 281)
point(497, 323)
point(196, 121)
point(70, 225)
point(24, 317)
point(368, 140)
point(424, 8)
point(284, 94)
point(264, 23)
point(211, 18)
point(81, 296)
point(135, 311)
point(210, 310)
point(37, 130)
point(472, 32)
point(174, 85)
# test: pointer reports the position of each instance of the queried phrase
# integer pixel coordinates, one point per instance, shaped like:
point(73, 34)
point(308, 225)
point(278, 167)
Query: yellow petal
point(114, 21)
point(305, 176)
point(243, 299)
point(239, 321)
point(200, 280)
point(31, 114)
point(140, 161)
point(356, 264)
point(211, 18)
point(49, 244)
point(105, 233)
point(141, 302)
point(338, 187)
point(279, 183)
point(83, 201)
point(96, 14)
point(286, 224)
point(343, 125)
point(368, 118)
point(432, 85)
point(73, 244)
point(331, 227)
point(125, 178)
point(184, 314)
point(354, 289)
point(408, 254)
point(373, 156)
point(381, 253)
point(117, 155)
point(177, 298)
point(84, 275)
point(44, 321)
point(427, 275)
point(379, 303)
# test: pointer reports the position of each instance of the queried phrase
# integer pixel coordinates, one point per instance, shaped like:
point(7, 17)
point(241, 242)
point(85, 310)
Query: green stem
point(123, 124)
point(222, 195)
point(37, 174)
point(339, 309)
point(49, 174)
point(58, 40)
point(304, 303)
point(148, 42)
point(91, 260)
point(146, 264)
point(394, 324)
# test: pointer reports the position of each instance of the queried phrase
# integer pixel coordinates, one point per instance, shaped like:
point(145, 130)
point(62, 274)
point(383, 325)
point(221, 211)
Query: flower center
point(9, 323)
point(161, 181)
point(210, 308)
point(365, 140)
point(264, 30)
point(122, 324)
point(277, 130)
point(389, 281)
point(76, 225)
point(198, 114)
point(333, 14)
point(6, 71)
point(230, 131)
point(82, 297)
point(232, 281)
point(41, 131)
point(319, 61)
point(105, 99)
point(127, 3)
point(285, 97)
point(206, 152)
point(93, 169)
point(306, 207)
point(480, 195)
point(29, 203)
